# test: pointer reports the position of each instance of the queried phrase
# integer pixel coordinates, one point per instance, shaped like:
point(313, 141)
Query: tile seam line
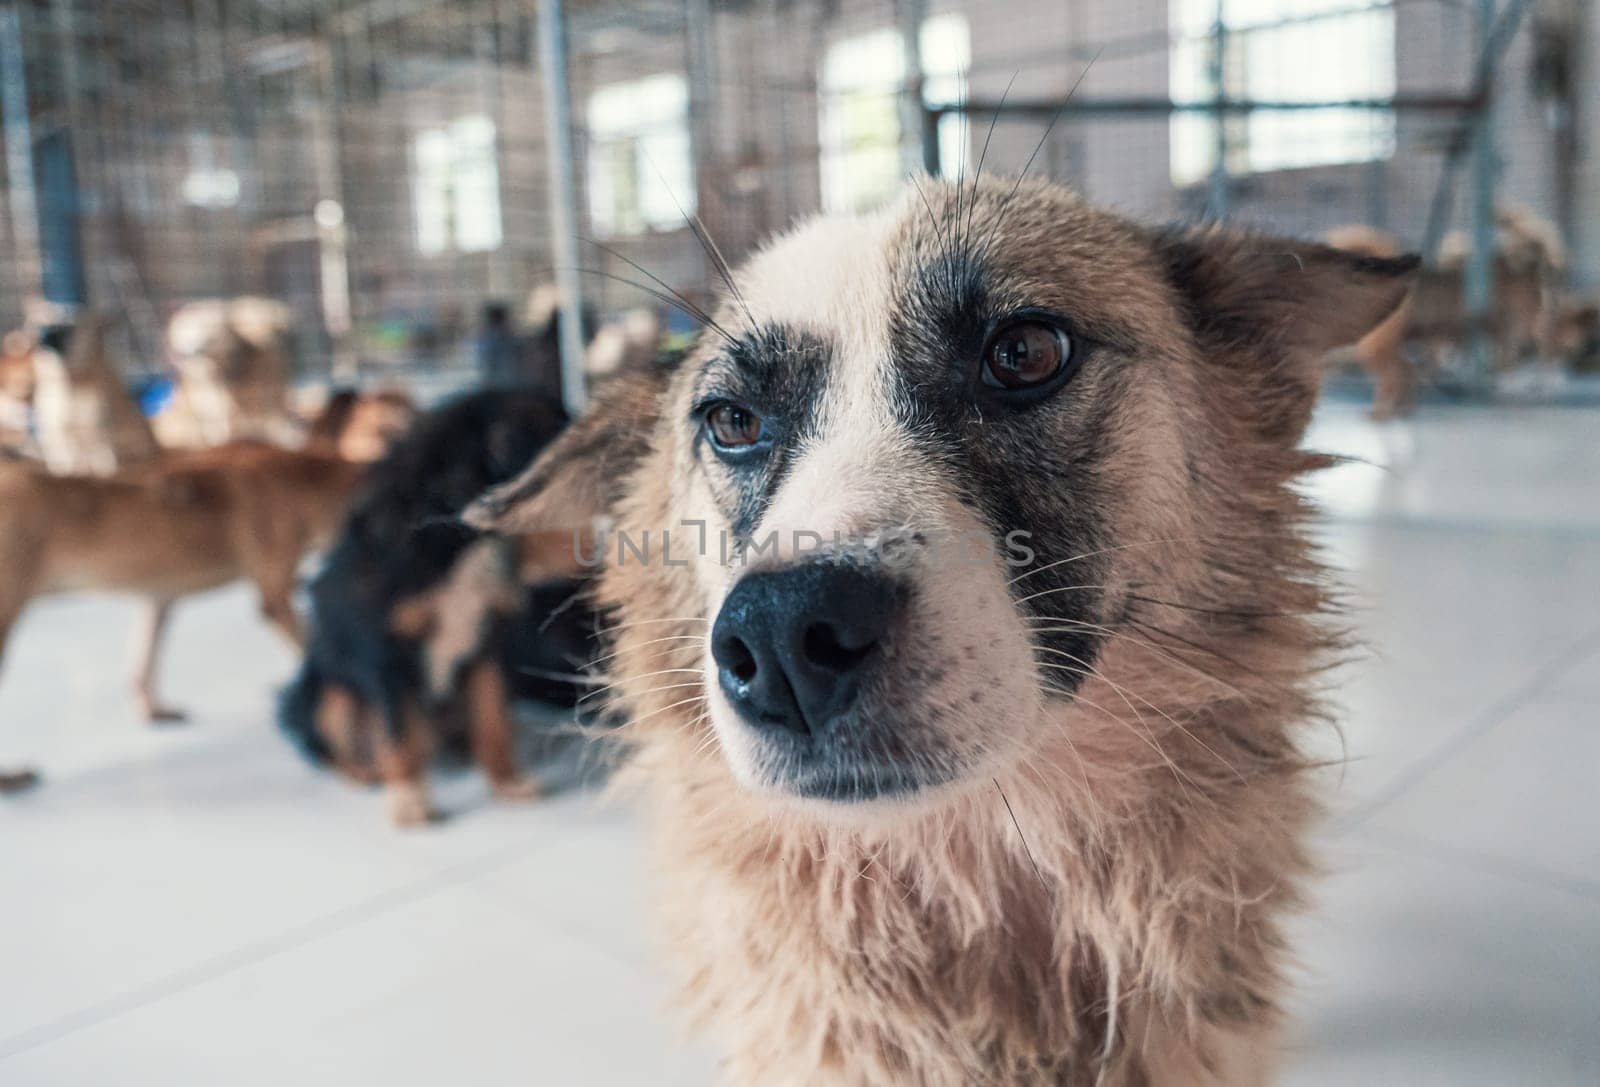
point(1485, 722)
point(258, 951)
point(1410, 844)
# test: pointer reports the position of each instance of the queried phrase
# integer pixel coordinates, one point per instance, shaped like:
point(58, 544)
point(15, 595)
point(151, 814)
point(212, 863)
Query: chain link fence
point(383, 167)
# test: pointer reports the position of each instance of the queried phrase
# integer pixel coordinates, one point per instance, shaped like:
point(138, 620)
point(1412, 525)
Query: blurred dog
point(412, 614)
point(16, 395)
point(182, 524)
point(627, 343)
point(233, 368)
point(1525, 314)
point(968, 690)
point(360, 426)
point(86, 420)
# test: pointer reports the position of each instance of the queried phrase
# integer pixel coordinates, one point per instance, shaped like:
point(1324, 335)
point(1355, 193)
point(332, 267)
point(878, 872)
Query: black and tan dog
point(974, 755)
point(412, 613)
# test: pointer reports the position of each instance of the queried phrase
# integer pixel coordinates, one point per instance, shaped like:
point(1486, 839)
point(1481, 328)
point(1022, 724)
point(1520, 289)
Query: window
point(1285, 51)
point(860, 85)
point(640, 174)
point(455, 188)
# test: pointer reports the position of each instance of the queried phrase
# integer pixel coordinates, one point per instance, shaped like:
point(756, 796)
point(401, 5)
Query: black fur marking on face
point(780, 374)
point(1035, 470)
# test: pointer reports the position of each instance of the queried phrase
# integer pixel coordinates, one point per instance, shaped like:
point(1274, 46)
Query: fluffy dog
point(972, 757)
point(411, 612)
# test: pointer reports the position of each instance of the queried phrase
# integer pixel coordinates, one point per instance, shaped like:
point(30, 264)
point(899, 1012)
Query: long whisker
point(603, 631)
point(1123, 693)
point(1020, 836)
point(1005, 204)
point(661, 296)
point(1178, 773)
point(994, 119)
point(653, 641)
point(1107, 551)
point(932, 221)
point(1063, 589)
point(683, 301)
point(644, 694)
point(1149, 646)
point(1199, 648)
point(701, 234)
point(633, 721)
point(1226, 613)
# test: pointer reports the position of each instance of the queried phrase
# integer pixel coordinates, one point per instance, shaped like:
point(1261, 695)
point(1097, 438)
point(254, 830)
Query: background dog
point(413, 614)
point(180, 525)
point(934, 802)
point(233, 363)
point(1527, 314)
point(360, 426)
point(86, 421)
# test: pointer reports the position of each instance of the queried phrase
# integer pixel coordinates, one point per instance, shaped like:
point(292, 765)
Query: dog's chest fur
point(943, 955)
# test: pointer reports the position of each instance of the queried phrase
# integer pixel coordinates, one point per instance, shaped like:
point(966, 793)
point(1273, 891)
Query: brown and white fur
point(233, 368)
point(1055, 836)
point(183, 524)
point(87, 421)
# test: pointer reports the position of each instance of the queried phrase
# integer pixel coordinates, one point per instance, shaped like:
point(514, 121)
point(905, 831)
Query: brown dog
point(968, 662)
point(360, 426)
point(1524, 315)
point(182, 525)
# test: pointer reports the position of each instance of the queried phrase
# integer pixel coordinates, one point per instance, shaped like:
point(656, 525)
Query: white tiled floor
point(193, 906)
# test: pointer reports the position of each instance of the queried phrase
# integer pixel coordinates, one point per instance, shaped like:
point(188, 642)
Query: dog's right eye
point(732, 427)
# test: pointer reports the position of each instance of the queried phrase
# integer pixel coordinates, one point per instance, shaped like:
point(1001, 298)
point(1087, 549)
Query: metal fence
point(384, 165)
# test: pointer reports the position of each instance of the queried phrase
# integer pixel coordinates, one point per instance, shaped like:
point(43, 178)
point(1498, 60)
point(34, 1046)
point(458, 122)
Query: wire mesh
point(380, 164)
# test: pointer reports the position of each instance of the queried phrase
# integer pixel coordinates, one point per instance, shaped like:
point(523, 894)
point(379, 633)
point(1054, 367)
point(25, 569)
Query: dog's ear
point(1271, 308)
point(579, 475)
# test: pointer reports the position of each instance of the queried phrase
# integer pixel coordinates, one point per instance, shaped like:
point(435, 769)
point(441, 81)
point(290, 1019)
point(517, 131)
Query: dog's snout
point(791, 645)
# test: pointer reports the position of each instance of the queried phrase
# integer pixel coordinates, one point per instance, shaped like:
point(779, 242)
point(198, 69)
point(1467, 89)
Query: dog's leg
point(277, 608)
point(151, 628)
point(490, 724)
point(15, 781)
point(271, 563)
point(342, 722)
point(402, 755)
point(13, 597)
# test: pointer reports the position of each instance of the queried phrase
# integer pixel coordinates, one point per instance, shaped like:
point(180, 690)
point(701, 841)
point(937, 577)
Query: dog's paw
point(165, 715)
point(409, 807)
point(520, 789)
point(15, 781)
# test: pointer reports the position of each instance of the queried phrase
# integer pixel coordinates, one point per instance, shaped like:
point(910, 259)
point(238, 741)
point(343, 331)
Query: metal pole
point(1217, 197)
point(1478, 281)
point(700, 64)
point(19, 148)
point(71, 90)
point(329, 213)
point(560, 161)
point(1588, 150)
point(915, 133)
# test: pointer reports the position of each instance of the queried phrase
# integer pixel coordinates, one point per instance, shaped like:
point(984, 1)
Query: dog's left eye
point(1022, 354)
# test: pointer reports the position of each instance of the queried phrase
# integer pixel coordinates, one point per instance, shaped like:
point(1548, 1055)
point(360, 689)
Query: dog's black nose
point(791, 645)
